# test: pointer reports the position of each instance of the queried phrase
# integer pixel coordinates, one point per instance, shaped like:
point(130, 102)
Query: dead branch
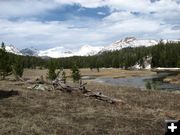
point(102, 97)
point(40, 84)
point(18, 78)
point(64, 87)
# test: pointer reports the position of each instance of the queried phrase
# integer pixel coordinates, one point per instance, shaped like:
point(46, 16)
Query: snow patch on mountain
point(57, 52)
point(88, 50)
point(145, 65)
point(12, 49)
point(130, 42)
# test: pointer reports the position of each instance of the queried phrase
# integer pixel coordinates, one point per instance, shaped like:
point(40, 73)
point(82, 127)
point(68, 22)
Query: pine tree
point(51, 70)
point(75, 74)
point(5, 65)
point(148, 85)
point(98, 70)
point(178, 63)
point(18, 67)
point(64, 77)
point(98, 65)
point(115, 62)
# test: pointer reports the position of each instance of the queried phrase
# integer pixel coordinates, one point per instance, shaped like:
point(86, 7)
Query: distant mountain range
point(30, 51)
point(86, 50)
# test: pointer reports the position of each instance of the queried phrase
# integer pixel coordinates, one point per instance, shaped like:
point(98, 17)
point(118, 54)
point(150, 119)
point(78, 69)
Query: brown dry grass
point(173, 79)
point(111, 72)
point(57, 113)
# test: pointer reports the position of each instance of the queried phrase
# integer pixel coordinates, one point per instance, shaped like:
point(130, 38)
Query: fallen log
point(65, 87)
point(89, 93)
point(40, 84)
point(81, 85)
point(40, 87)
point(18, 78)
point(39, 81)
point(105, 98)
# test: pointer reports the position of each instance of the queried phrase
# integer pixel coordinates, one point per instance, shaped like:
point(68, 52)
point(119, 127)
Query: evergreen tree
point(18, 67)
point(3, 46)
point(98, 69)
point(5, 65)
point(64, 77)
point(98, 63)
point(51, 70)
point(75, 73)
point(178, 63)
point(115, 62)
point(148, 85)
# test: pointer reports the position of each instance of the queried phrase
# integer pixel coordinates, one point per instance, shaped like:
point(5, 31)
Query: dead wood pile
point(57, 84)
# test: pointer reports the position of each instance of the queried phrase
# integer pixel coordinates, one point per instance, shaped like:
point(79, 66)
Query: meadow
point(33, 112)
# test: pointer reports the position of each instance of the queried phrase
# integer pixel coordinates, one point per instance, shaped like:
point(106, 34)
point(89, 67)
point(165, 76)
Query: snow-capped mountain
point(12, 49)
point(86, 50)
point(129, 42)
point(57, 52)
point(30, 51)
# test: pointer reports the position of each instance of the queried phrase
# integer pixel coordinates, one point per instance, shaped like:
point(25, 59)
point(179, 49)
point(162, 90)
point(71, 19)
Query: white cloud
point(29, 7)
point(120, 23)
point(84, 3)
point(19, 8)
point(46, 34)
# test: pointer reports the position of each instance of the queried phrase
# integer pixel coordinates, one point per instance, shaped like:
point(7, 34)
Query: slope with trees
point(163, 55)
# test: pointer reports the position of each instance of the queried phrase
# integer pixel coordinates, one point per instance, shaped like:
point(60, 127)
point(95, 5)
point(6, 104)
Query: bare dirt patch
point(6, 94)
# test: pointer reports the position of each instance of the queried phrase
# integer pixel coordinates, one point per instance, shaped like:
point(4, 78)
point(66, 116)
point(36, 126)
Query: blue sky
point(45, 24)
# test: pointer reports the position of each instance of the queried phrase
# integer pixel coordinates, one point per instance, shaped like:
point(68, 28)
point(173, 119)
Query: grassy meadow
point(33, 112)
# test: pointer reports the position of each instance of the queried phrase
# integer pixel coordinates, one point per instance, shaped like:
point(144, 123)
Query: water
point(145, 82)
point(90, 77)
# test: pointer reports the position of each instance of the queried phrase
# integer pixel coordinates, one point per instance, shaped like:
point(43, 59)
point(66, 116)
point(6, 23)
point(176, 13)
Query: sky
point(44, 24)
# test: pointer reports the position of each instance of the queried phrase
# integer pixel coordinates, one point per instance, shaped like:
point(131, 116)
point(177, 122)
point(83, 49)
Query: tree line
point(163, 55)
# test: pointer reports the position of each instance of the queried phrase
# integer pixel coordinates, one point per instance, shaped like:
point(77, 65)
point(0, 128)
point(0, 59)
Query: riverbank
point(173, 79)
point(33, 112)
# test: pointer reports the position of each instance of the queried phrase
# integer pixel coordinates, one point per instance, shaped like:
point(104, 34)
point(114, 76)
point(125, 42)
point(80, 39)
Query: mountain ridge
point(85, 50)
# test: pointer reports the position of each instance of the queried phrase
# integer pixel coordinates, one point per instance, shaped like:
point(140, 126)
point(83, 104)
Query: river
point(143, 82)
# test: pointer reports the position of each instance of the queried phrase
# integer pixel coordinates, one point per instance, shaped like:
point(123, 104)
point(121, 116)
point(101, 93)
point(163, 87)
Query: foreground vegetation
point(33, 112)
point(55, 112)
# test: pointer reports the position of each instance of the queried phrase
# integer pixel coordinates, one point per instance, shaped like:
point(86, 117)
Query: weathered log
point(82, 88)
point(102, 97)
point(41, 87)
point(40, 80)
point(81, 85)
point(58, 85)
point(66, 88)
point(18, 78)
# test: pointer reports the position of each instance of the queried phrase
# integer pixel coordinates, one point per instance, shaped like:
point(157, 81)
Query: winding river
point(144, 82)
